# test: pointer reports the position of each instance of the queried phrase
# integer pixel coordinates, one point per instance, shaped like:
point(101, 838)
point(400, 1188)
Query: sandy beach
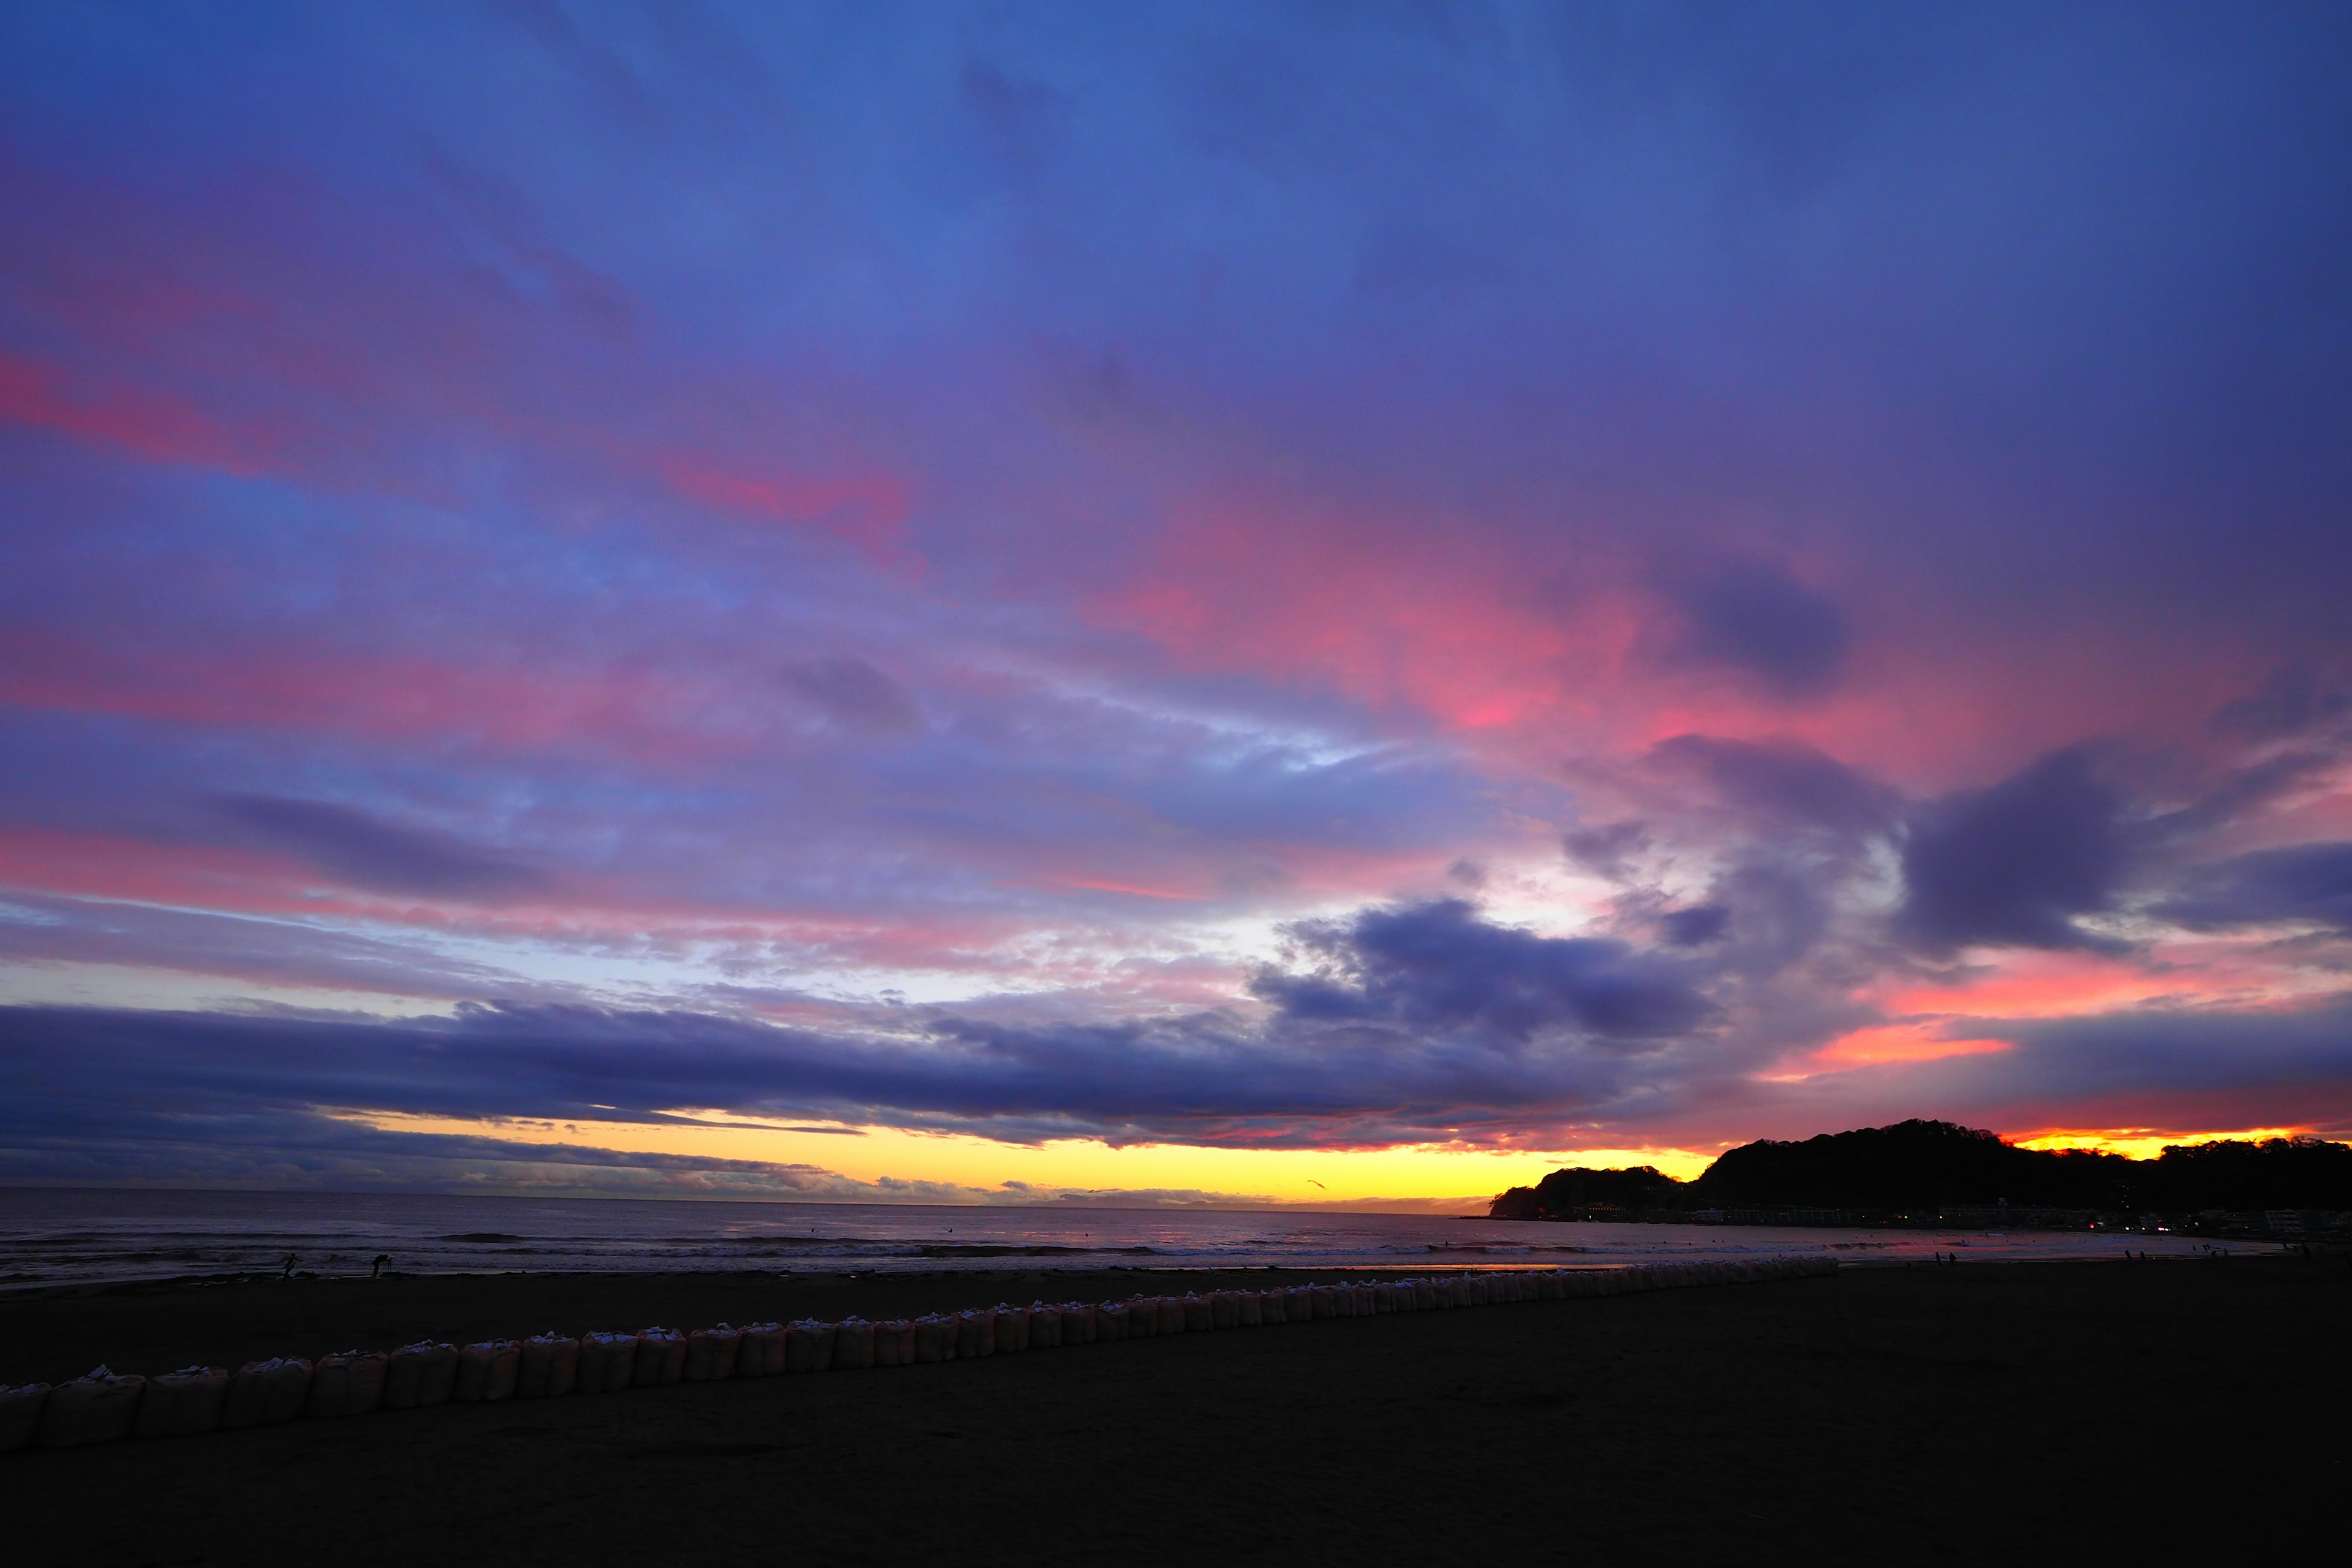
point(1913, 1414)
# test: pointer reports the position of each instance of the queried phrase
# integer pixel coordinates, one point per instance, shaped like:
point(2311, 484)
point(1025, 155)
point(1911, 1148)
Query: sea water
point(83, 1236)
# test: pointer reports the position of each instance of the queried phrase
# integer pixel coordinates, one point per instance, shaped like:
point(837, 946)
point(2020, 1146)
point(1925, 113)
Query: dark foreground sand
point(2122, 1410)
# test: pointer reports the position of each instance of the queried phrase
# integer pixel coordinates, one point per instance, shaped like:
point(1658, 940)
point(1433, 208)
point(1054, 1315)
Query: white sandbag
point(1274, 1306)
point(761, 1351)
point(1077, 1323)
point(711, 1354)
point(607, 1362)
point(808, 1346)
point(1249, 1310)
point(1045, 1327)
point(1224, 1308)
point(1111, 1322)
point(894, 1343)
point(95, 1407)
point(549, 1367)
point(348, 1383)
point(1171, 1316)
point(1343, 1300)
point(366, 1396)
point(1142, 1317)
point(330, 1376)
point(853, 1345)
point(1011, 1329)
point(421, 1374)
point(661, 1358)
point(1199, 1316)
point(935, 1339)
point(487, 1372)
point(20, 1415)
point(975, 1332)
point(264, 1392)
point(1323, 1301)
point(181, 1404)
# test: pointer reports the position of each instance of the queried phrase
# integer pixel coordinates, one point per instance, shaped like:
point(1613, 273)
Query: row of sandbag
point(103, 1405)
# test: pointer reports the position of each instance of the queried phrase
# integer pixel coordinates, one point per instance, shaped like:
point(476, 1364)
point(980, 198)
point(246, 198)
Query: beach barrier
point(711, 1353)
point(103, 1406)
point(607, 1362)
point(487, 1372)
point(181, 1404)
point(347, 1383)
point(20, 1415)
point(549, 1367)
point(98, 1406)
point(760, 1353)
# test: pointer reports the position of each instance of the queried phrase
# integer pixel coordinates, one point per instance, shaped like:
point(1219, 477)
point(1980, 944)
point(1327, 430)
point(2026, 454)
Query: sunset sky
point(1209, 603)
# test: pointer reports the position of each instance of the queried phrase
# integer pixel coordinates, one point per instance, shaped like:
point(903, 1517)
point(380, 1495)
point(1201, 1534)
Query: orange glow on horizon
point(2144, 1143)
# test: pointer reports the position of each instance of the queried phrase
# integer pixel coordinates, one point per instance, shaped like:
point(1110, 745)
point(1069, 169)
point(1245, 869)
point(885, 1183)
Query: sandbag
point(853, 1345)
point(711, 1354)
point(1249, 1310)
point(1199, 1316)
point(549, 1367)
point(487, 1372)
point(264, 1392)
point(1142, 1317)
point(808, 1346)
point(20, 1415)
point(1011, 1329)
point(660, 1360)
point(1298, 1302)
point(975, 1332)
point(1171, 1316)
point(1077, 1323)
point(1224, 1309)
point(1111, 1322)
point(1274, 1306)
point(348, 1383)
point(181, 1404)
point(95, 1407)
point(1548, 1288)
point(607, 1362)
point(421, 1374)
point(1045, 1327)
point(329, 1378)
point(935, 1339)
point(761, 1353)
point(1343, 1300)
point(894, 1343)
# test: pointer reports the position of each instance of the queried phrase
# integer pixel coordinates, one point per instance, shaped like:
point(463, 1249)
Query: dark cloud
point(1786, 781)
point(1607, 850)
point(2014, 864)
point(2300, 884)
point(372, 853)
point(1694, 927)
point(2294, 701)
point(1437, 966)
point(1762, 622)
point(854, 695)
point(1417, 1020)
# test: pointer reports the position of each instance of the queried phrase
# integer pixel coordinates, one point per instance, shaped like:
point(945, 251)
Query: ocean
point(52, 1236)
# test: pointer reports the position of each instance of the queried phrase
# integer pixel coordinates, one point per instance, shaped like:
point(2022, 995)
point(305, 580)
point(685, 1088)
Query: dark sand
point(1897, 1414)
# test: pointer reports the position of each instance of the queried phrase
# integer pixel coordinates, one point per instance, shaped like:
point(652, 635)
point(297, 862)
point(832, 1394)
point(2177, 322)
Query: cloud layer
point(1477, 575)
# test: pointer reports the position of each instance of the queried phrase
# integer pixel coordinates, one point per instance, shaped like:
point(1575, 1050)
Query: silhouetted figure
point(286, 1269)
point(375, 1269)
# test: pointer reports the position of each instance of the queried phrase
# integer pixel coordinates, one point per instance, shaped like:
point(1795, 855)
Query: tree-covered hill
point(1920, 1166)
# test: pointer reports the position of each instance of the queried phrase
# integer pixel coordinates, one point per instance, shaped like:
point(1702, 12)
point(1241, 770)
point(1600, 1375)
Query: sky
point(1167, 603)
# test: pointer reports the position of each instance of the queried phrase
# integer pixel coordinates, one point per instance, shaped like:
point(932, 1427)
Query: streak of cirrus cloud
point(1253, 579)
